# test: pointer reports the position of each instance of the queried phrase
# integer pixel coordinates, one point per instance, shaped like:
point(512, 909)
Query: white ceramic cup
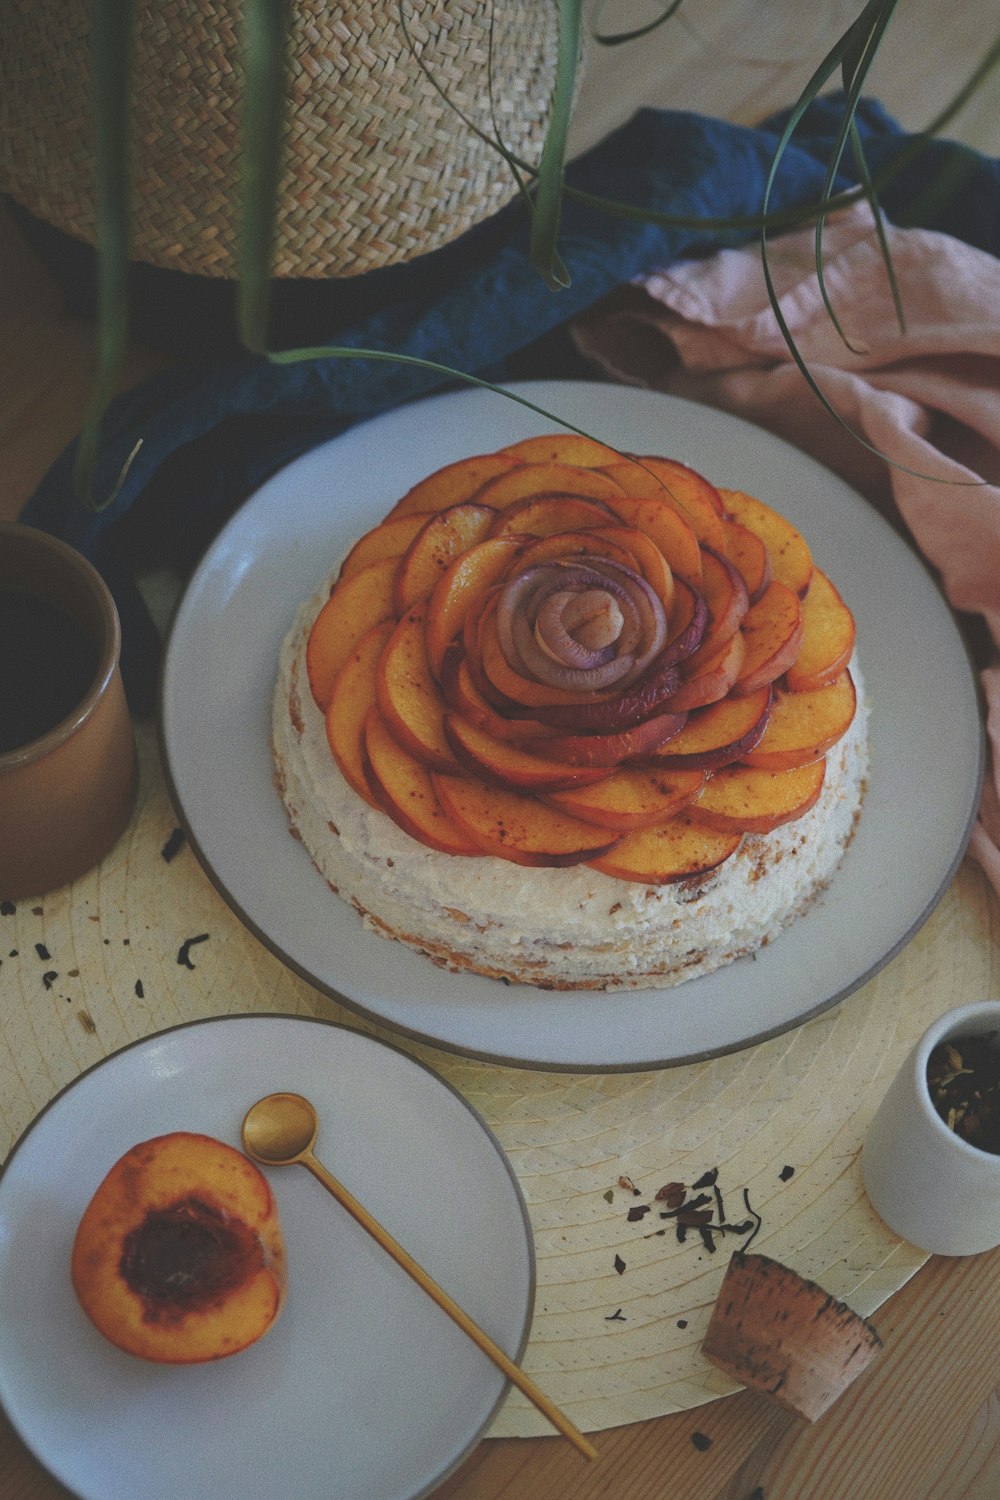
point(928, 1184)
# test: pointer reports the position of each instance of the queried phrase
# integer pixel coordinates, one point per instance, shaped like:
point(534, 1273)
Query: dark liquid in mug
point(47, 663)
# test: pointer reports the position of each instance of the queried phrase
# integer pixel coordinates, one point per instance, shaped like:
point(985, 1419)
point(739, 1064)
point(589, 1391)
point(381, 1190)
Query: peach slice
point(498, 675)
point(622, 711)
point(439, 542)
point(726, 596)
point(463, 583)
point(460, 693)
point(453, 484)
point(406, 791)
point(667, 529)
point(517, 827)
point(621, 544)
point(688, 622)
point(828, 633)
point(720, 734)
point(791, 559)
point(354, 606)
point(745, 549)
point(612, 749)
point(631, 798)
point(510, 765)
point(673, 851)
point(649, 560)
point(595, 541)
point(390, 539)
point(743, 799)
point(354, 693)
point(804, 726)
point(683, 487)
point(562, 448)
point(772, 631)
point(549, 513)
point(179, 1256)
point(713, 678)
point(528, 480)
point(408, 696)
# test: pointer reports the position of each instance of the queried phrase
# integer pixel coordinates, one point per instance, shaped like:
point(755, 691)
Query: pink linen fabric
point(927, 398)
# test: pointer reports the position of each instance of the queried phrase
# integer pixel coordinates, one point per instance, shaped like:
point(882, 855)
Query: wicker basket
point(379, 168)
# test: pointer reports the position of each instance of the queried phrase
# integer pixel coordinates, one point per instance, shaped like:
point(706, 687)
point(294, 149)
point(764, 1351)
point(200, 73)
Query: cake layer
point(557, 928)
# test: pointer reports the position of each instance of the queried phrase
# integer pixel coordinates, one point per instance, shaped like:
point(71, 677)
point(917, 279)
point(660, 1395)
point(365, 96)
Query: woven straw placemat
point(144, 942)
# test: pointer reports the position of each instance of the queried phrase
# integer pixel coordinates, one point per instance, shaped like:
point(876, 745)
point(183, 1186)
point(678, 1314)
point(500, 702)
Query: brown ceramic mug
point(67, 763)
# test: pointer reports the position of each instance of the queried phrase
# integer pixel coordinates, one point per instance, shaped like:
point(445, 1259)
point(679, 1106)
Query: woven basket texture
point(379, 168)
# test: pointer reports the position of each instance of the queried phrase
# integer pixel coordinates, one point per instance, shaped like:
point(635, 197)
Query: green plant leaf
point(265, 42)
point(552, 164)
point(616, 38)
point(853, 54)
point(112, 52)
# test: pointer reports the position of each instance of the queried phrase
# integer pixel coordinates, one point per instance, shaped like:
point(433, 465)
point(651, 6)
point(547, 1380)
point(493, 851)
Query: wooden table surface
point(925, 1422)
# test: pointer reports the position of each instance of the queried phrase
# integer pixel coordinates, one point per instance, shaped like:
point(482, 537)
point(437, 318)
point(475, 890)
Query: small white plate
point(364, 1389)
point(218, 683)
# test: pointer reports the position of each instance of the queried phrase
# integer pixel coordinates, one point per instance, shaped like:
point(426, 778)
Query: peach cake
point(574, 718)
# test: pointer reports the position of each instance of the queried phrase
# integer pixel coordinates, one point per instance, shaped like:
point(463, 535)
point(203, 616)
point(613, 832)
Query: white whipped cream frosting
point(563, 928)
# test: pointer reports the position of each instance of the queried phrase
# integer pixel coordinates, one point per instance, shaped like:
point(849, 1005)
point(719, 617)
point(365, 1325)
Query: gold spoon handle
point(423, 1278)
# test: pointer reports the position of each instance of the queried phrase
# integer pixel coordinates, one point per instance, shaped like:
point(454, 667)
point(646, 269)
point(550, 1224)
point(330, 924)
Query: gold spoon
point(281, 1129)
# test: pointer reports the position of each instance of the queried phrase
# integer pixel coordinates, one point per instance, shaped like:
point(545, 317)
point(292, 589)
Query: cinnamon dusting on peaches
point(529, 626)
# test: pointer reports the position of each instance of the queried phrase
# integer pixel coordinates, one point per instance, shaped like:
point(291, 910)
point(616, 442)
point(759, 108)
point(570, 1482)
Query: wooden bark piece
point(786, 1337)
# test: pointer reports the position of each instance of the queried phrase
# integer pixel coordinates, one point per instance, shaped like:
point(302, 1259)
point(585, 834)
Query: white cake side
point(566, 928)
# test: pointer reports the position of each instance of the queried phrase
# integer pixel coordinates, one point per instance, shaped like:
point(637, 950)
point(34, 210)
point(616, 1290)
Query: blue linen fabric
point(214, 427)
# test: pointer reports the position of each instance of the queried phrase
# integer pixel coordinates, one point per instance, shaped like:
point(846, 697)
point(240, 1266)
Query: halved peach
point(548, 513)
point(630, 798)
point(743, 799)
point(719, 734)
point(354, 693)
point(772, 631)
point(712, 677)
point(446, 536)
point(463, 583)
point(828, 633)
point(791, 559)
point(406, 791)
point(804, 726)
point(673, 851)
point(510, 765)
point(453, 483)
point(526, 480)
point(517, 827)
point(667, 528)
point(684, 487)
point(354, 606)
point(745, 549)
point(562, 448)
point(390, 539)
point(408, 696)
point(179, 1256)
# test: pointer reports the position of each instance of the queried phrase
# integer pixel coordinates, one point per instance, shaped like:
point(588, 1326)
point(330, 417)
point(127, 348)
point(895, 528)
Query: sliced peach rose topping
point(557, 654)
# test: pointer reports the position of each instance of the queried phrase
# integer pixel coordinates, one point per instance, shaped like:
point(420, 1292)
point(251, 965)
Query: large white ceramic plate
point(926, 748)
point(363, 1389)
